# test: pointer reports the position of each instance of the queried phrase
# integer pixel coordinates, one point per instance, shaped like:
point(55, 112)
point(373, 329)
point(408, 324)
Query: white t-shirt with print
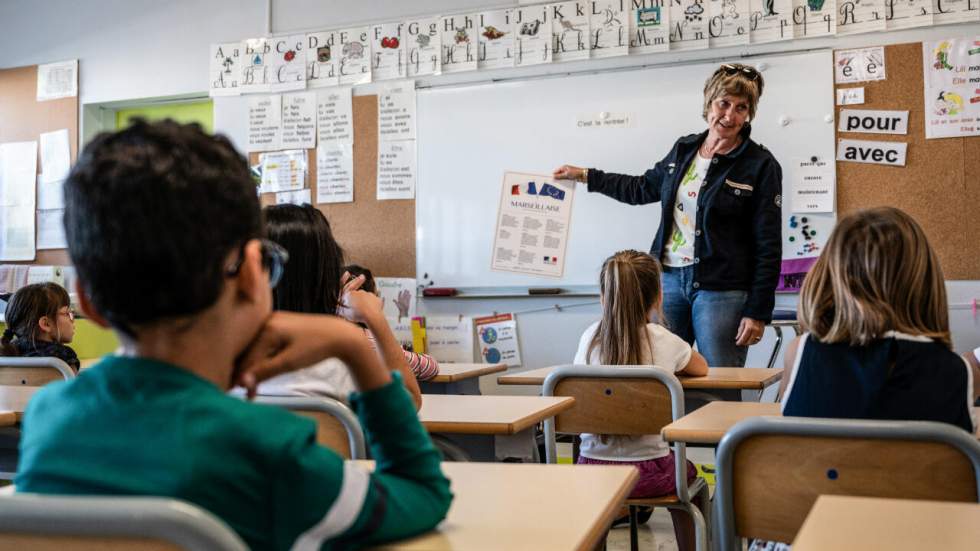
point(670, 352)
point(679, 247)
point(330, 378)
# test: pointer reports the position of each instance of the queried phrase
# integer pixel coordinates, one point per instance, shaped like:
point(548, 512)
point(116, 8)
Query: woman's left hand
point(749, 332)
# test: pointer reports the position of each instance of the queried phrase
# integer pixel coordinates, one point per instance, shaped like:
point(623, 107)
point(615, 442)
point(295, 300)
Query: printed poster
point(335, 172)
point(859, 65)
point(18, 176)
point(396, 170)
point(956, 11)
point(609, 28)
point(51, 229)
point(570, 30)
point(951, 71)
point(497, 338)
point(688, 25)
point(225, 69)
point(57, 80)
point(298, 197)
point(334, 116)
point(354, 64)
point(770, 20)
point(532, 35)
point(256, 65)
point(459, 43)
point(397, 297)
point(813, 18)
point(423, 47)
point(729, 23)
point(496, 39)
point(907, 14)
point(532, 225)
point(860, 16)
point(450, 338)
point(321, 59)
point(299, 121)
point(283, 170)
point(813, 190)
point(264, 123)
point(649, 27)
point(387, 52)
point(396, 113)
point(287, 63)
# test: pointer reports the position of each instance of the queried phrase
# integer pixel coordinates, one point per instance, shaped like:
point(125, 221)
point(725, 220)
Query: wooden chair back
point(33, 371)
point(772, 470)
point(604, 405)
point(337, 426)
point(82, 523)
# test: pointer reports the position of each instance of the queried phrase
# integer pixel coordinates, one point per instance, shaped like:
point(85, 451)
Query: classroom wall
point(133, 49)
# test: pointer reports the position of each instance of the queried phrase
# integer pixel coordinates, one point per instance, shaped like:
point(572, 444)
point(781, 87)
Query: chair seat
point(661, 501)
point(783, 315)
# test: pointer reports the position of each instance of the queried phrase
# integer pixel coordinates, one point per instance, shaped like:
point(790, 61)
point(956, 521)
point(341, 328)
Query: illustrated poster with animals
point(459, 43)
point(255, 67)
point(354, 63)
point(287, 63)
point(909, 14)
point(649, 27)
point(951, 71)
point(771, 20)
point(532, 32)
point(729, 24)
point(570, 30)
point(532, 225)
point(496, 39)
point(226, 69)
point(387, 52)
point(423, 45)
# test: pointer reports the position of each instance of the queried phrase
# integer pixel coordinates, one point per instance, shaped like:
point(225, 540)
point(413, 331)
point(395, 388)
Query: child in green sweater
point(165, 232)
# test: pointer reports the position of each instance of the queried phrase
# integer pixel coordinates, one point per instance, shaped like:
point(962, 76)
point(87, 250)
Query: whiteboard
point(469, 136)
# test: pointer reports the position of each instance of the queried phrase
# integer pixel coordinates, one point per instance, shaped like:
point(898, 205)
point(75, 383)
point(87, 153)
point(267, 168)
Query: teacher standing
point(719, 237)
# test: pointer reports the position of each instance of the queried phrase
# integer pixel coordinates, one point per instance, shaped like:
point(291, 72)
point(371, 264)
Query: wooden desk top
point(747, 378)
point(452, 372)
point(526, 506)
point(8, 418)
point(846, 523)
point(488, 414)
point(14, 398)
point(708, 424)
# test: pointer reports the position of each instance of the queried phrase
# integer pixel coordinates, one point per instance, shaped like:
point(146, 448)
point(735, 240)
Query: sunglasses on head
point(274, 258)
point(748, 72)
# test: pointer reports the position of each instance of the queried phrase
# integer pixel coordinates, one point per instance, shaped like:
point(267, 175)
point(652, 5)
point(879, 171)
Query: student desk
point(8, 418)
point(459, 378)
point(730, 380)
point(526, 506)
point(489, 427)
point(13, 399)
point(708, 424)
point(846, 523)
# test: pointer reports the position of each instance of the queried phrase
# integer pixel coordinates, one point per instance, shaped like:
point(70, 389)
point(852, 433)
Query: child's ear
point(252, 279)
point(86, 306)
point(44, 322)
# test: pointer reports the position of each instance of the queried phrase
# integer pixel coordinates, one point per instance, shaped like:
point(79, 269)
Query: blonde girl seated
point(877, 342)
point(632, 296)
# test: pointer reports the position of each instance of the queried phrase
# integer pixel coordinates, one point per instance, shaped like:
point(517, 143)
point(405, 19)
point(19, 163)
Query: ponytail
point(630, 287)
point(7, 347)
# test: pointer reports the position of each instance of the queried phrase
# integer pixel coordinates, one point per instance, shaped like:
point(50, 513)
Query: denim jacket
point(738, 239)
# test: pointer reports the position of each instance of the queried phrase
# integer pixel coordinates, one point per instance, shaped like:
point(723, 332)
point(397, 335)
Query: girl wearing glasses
point(719, 237)
point(40, 323)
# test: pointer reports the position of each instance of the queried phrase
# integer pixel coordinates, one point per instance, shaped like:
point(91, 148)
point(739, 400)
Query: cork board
point(379, 235)
point(24, 119)
point(940, 184)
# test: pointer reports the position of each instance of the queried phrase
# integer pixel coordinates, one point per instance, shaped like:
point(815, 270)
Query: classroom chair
point(780, 319)
point(337, 427)
point(626, 400)
point(84, 523)
point(770, 470)
point(33, 371)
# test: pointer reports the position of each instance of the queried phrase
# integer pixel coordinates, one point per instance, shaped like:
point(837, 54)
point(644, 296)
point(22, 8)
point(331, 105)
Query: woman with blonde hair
point(631, 297)
point(877, 342)
point(720, 227)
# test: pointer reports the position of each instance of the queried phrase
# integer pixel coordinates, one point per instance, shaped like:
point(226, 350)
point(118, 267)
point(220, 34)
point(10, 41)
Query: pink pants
point(656, 475)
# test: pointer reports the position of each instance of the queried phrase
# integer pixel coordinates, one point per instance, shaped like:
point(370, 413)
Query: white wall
point(136, 49)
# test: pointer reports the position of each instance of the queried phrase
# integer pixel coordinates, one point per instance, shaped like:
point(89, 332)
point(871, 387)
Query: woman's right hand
point(569, 172)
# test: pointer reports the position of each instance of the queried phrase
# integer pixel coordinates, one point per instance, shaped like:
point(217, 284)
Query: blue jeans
point(709, 318)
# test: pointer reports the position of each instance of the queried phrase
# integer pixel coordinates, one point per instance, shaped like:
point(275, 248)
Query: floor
point(658, 533)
